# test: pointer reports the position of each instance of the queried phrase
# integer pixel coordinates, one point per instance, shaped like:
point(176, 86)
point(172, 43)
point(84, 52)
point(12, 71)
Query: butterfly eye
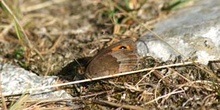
point(122, 47)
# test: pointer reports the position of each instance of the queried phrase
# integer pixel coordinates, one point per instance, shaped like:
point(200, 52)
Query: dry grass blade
point(188, 80)
point(213, 75)
point(18, 26)
point(64, 99)
point(144, 77)
point(208, 85)
point(125, 106)
point(164, 96)
point(5, 31)
point(158, 85)
point(160, 76)
point(42, 5)
point(204, 101)
point(58, 41)
point(20, 104)
point(4, 106)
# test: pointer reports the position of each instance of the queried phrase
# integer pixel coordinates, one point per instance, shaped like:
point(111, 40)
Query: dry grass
point(42, 36)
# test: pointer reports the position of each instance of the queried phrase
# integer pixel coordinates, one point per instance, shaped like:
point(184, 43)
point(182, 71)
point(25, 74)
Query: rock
point(191, 32)
point(16, 80)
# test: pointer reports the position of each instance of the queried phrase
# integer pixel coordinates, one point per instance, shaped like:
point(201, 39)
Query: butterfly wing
point(120, 57)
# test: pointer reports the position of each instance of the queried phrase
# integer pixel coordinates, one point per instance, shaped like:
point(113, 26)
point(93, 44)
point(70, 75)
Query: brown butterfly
point(117, 58)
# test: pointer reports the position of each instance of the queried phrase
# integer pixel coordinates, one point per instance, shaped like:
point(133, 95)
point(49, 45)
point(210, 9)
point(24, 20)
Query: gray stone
point(191, 32)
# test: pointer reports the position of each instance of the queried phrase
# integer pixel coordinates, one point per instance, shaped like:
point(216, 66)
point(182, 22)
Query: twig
point(158, 84)
point(103, 102)
point(57, 42)
point(204, 101)
point(188, 80)
point(73, 98)
point(199, 82)
point(161, 77)
point(166, 95)
point(144, 77)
